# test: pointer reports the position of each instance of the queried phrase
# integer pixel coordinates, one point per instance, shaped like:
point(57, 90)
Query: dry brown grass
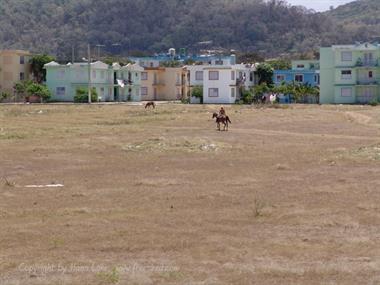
point(288, 196)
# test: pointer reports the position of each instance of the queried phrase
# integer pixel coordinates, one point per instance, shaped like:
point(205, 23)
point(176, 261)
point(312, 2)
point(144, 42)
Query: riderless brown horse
point(225, 120)
point(150, 104)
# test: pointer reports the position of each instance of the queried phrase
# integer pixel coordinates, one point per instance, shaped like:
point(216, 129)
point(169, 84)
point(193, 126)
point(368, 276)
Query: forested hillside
point(270, 27)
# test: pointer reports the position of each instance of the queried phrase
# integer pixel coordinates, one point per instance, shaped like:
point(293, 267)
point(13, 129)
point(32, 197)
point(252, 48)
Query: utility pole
point(89, 72)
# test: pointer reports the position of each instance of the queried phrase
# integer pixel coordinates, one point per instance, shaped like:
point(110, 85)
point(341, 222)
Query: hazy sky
point(319, 5)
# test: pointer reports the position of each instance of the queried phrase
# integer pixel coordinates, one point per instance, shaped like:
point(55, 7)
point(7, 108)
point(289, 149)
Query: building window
point(316, 78)
point(144, 91)
point(280, 78)
point(346, 92)
point(60, 91)
point(346, 74)
point(144, 75)
point(218, 62)
point(346, 56)
point(213, 75)
point(213, 92)
point(94, 74)
point(232, 92)
point(251, 74)
point(199, 75)
point(102, 74)
point(301, 66)
point(232, 75)
point(370, 74)
point(298, 78)
point(22, 76)
point(22, 59)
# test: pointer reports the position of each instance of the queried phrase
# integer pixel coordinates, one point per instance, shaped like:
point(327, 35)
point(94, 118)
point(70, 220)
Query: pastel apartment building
point(350, 73)
point(302, 72)
point(222, 80)
point(64, 80)
point(127, 82)
point(162, 84)
point(14, 67)
point(112, 83)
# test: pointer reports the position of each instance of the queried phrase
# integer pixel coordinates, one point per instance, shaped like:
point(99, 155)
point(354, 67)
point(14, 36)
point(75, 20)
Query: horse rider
point(222, 112)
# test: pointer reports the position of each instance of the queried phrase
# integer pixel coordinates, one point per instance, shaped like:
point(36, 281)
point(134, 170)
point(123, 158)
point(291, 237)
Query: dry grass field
point(290, 195)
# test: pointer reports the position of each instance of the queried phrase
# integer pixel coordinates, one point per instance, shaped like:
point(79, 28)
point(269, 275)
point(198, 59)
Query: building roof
point(15, 51)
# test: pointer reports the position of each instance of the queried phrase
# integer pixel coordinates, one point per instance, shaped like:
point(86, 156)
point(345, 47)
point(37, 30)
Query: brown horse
point(150, 104)
point(225, 120)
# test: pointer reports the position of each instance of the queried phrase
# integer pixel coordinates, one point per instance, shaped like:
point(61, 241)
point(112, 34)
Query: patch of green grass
point(12, 136)
point(368, 152)
point(57, 242)
point(180, 145)
point(112, 277)
point(172, 276)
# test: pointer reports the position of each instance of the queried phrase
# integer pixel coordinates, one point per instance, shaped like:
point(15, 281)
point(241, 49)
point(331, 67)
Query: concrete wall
point(327, 74)
point(11, 68)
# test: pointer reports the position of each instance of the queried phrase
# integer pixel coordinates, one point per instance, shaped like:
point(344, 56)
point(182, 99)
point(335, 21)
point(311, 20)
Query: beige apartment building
point(14, 67)
point(163, 84)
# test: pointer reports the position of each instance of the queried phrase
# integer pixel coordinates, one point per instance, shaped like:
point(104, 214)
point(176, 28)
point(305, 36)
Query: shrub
point(81, 95)
point(374, 102)
point(247, 97)
point(4, 96)
point(38, 90)
point(197, 92)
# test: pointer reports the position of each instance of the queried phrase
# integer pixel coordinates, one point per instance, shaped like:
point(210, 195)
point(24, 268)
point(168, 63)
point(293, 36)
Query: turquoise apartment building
point(350, 74)
point(113, 83)
point(127, 82)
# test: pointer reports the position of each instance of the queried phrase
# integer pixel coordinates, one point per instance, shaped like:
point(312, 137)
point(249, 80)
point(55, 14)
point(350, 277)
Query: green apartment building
point(113, 83)
point(350, 73)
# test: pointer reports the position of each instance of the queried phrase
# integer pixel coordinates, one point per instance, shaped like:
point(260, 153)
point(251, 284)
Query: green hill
point(270, 27)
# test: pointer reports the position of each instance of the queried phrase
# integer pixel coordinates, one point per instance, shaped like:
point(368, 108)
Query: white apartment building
point(222, 82)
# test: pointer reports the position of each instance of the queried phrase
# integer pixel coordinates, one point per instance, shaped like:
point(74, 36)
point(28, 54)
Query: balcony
point(125, 82)
point(366, 63)
point(367, 81)
point(240, 81)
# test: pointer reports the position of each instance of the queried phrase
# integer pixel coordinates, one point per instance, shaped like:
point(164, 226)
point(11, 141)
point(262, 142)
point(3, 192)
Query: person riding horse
point(222, 118)
point(222, 112)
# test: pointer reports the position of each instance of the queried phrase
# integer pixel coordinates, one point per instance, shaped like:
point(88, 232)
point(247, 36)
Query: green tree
point(265, 74)
point(259, 91)
point(247, 96)
point(250, 57)
point(20, 88)
point(197, 92)
point(37, 63)
point(4, 96)
point(81, 95)
point(280, 64)
point(38, 90)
